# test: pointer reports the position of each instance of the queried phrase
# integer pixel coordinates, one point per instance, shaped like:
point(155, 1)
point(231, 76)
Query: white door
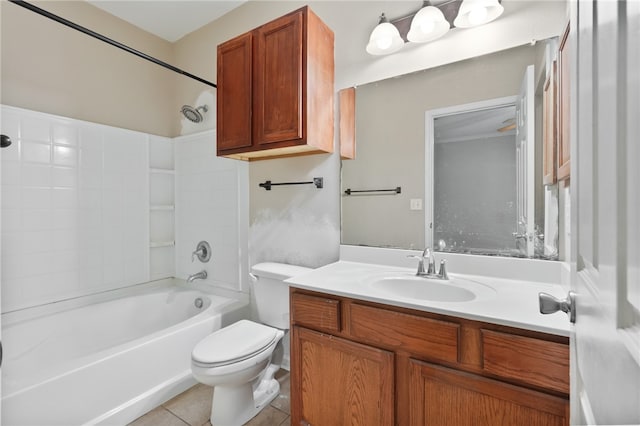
point(605, 199)
point(525, 159)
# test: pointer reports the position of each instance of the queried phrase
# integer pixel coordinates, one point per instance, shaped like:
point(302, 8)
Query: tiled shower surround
point(77, 204)
point(211, 205)
point(74, 208)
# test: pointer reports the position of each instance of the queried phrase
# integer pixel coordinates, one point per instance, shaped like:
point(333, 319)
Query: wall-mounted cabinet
point(275, 89)
point(347, 125)
point(384, 365)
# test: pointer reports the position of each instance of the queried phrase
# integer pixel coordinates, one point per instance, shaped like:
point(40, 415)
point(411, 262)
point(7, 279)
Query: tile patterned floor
point(193, 407)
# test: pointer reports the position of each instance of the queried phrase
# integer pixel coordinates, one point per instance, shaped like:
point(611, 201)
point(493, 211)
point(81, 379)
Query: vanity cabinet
point(446, 396)
point(342, 382)
point(275, 89)
point(358, 362)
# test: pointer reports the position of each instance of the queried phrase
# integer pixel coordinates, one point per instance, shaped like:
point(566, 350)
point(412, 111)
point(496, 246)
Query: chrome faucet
point(427, 254)
point(197, 276)
point(430, 272)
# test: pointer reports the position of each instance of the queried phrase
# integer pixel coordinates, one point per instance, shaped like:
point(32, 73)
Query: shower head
point(193, 114)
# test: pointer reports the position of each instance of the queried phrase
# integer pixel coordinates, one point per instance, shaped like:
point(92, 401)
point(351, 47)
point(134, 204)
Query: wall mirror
point(451, 158)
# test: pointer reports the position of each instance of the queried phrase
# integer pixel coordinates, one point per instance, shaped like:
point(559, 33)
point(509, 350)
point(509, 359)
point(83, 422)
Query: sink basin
point(420, 288)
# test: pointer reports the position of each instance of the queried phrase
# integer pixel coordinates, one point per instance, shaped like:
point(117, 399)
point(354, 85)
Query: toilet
point(237, 360)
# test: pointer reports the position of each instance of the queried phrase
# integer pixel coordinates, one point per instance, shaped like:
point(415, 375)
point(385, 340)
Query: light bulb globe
point(477, 12)
point(385, 39)
point(427, 25)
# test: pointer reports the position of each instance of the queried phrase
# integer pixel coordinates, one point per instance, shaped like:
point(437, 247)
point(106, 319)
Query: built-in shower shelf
point(162, 171)
point(162, 188)
point(157, 244)
point(162, 207)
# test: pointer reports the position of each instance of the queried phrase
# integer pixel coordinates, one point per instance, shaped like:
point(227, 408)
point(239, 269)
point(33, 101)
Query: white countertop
point(514, 302)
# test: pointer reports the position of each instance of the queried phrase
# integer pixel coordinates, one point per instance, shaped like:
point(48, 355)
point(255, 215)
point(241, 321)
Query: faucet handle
point(194, 254)
point(420, 264)
point(202, 252)
point(442, 274)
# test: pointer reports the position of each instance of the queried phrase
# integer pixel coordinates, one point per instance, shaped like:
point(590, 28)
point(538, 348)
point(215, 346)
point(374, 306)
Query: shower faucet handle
point(202, 252)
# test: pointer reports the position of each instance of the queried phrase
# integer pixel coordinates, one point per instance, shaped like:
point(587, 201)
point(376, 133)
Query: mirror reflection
point(474, 181)
point(463, 145)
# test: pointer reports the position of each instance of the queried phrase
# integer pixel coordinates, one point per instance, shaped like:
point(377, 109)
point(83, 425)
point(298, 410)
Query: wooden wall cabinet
point(361, 363)
point(347, 105)
point(275, 89)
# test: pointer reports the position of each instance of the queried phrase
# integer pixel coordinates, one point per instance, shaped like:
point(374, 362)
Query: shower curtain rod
point(108, 40)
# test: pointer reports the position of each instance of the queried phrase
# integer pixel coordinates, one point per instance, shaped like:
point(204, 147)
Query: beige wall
point(47, 67)
point(51, 68)
point(302, 225)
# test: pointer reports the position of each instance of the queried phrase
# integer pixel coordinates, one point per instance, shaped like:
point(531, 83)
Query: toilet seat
point(237, 342)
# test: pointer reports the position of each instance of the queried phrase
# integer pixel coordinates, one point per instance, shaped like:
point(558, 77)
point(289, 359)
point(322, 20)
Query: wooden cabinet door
point(234, 99)
point(278, 82)
point(338, 382)
point(442, 396)
point(347, 102)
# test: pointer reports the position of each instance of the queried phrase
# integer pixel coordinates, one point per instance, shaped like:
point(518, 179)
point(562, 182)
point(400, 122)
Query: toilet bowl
point(237, 360)
point(234, 361)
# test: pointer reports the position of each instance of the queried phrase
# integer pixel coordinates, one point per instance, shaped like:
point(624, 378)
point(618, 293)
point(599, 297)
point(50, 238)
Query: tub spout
point(197, 276)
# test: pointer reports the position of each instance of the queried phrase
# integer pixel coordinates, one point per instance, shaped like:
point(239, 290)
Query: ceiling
point(476, 125)
point(168, 19)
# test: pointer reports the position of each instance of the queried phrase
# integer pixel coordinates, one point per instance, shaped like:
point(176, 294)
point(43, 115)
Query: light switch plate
point(415, 204)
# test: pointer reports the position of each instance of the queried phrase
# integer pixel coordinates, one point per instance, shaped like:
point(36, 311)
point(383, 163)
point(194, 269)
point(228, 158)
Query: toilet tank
point(271, 293)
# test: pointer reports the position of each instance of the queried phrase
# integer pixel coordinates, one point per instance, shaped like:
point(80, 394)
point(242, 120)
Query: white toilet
point(236, 360)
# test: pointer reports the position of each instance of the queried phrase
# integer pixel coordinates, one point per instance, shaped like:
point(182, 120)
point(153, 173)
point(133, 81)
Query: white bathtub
point(105, 359)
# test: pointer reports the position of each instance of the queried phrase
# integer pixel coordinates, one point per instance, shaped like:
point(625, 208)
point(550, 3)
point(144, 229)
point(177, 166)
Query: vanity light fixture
point(473, 13)
point(385, 38)
point(428, 24)
point(432, 21)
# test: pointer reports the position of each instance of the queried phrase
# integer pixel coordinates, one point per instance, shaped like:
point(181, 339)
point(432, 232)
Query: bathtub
point(106, 359)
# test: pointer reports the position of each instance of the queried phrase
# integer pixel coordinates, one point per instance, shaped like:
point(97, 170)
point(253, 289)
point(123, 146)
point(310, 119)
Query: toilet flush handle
point(254, 278)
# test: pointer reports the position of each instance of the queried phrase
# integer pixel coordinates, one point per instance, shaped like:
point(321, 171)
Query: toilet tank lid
point(278, 271)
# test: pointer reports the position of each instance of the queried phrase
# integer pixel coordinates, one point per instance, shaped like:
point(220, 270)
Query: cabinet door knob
point(549, 304)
